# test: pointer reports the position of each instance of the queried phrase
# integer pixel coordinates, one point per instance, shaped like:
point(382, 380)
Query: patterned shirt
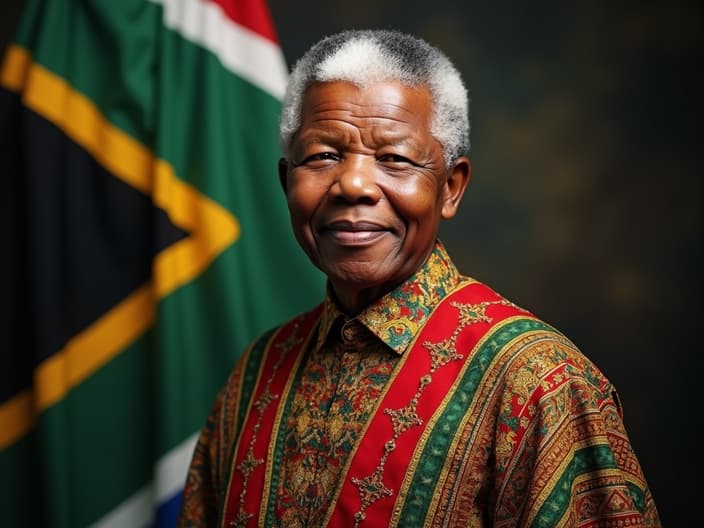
point(544, 408)
point(342, 376)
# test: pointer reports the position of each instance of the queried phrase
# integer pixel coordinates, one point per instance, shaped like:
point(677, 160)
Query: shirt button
point(348, 331)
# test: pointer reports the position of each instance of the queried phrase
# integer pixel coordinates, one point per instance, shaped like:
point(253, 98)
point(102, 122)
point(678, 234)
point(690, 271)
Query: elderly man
point(413, 395)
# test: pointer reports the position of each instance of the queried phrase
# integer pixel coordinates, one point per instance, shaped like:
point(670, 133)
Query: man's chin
point(356, 275)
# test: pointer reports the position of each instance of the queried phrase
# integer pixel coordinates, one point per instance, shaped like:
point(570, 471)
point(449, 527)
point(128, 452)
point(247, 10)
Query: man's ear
point(283, 172)
point(457, 180)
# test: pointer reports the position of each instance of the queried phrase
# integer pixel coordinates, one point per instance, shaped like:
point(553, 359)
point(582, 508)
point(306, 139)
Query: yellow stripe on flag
point(211, 230)
point(14, 70)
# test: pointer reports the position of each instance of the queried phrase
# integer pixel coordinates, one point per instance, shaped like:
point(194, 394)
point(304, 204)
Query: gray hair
point(367, 56)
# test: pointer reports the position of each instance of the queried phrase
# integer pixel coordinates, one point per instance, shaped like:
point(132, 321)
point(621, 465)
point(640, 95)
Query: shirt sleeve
point(563, 457)
point(200, 500)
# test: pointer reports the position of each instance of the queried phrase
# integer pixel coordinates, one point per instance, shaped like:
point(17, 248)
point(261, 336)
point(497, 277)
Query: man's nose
point(356, 180)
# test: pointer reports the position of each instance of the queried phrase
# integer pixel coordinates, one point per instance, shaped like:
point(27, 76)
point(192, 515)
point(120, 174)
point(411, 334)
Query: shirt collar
point(396, 317)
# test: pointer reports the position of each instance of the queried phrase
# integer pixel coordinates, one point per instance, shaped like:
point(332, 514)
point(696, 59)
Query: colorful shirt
point(527, 432)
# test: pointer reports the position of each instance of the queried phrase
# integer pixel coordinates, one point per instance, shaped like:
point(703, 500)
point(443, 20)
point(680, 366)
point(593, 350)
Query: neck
point(352, 299)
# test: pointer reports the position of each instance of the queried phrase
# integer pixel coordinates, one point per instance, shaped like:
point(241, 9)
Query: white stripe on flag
point(170, 476)
point(240, 50)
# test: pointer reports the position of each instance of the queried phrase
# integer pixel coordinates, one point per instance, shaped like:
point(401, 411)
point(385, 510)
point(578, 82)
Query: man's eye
point(321, 156)
point(394, 158)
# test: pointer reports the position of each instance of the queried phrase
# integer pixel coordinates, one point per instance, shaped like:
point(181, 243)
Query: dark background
point(585, 203)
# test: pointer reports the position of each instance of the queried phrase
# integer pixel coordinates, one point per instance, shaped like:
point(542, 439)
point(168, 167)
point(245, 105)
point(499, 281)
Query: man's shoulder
point(521, 340)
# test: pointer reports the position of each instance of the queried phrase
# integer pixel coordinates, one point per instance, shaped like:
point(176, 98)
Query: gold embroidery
point(405, 418)
point(371, 488)
point(476, 313)
point(442, 353)
point(250, 463)
point(241, 519)
point(265, 400)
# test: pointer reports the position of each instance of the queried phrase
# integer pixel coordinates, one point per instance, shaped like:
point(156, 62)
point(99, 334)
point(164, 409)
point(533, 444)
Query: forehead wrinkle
point(322, 131)
point(350, 117)
point(336, 128)
point(407, 135)
point(388, 112)
point(398, 119)
point(376, 124)
point(358, 108)
point(359, 121)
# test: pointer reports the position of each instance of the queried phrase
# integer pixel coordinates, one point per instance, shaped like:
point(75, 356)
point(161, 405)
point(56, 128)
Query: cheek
point(418, 203)
point(304, 197)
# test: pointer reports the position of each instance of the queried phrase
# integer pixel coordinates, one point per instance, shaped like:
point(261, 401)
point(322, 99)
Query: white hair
point(363, 57)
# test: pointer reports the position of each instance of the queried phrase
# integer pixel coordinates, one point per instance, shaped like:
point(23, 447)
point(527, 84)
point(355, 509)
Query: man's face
point(367, 184)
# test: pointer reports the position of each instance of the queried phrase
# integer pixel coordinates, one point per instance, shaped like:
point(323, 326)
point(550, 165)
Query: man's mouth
point(345, 232)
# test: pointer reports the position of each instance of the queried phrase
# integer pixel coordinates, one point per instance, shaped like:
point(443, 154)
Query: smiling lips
point(353, 233)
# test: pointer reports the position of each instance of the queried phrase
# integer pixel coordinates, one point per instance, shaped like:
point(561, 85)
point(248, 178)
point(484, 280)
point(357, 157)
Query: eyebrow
point(329, 136)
